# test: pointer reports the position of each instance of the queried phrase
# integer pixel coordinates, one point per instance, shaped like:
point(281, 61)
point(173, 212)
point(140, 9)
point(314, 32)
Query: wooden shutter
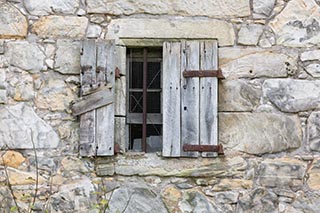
point(189, 104)
point(96, 107)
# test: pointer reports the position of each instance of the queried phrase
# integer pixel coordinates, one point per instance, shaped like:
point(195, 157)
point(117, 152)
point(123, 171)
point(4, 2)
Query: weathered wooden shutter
point(96, 108)
point(189, 104)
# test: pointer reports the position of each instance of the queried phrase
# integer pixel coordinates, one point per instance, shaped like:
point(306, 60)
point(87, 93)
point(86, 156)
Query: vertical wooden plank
point(87, 120)
point(190, 96)
point(105, 115)
point(120, 84)
point(171, 99)
point(209, 97)
point(120, 132)
point(101, 70)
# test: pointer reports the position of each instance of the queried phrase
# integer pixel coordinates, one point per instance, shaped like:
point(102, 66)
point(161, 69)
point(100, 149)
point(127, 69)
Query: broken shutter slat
point(208, 97)
point(190, 96)
point(105, 114)
point(171, 99)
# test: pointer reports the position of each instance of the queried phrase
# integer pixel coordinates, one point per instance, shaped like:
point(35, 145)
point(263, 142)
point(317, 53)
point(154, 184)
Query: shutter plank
point(87, 134)
point(88, 65)
point(190, 96)
point(105, 115)
point(208, 97)
point(120, 84)
point(171, 99)
point(101, 63)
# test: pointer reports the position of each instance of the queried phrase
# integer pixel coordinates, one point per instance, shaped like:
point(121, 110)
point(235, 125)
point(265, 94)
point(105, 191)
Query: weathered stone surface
point(171, 196)
point(249, 34)
point(298, 24)
point(18, 177)
point(60, 26)
point(258, 200)
point(310, 55)
point(314, 175)
point(224, 197)
point(68, 57)
point(1, 46)
point(19, 124)
point(93, 31)
point(55, 95)
point(314, 131)
point(267, 39)
point(239, 95)
point(3, 96)
point(313, 70)
point(46, 7)
point(20, 85)
point(172, 28)
point(12, 159)
point(308, 202)
point(291, 95)
point(283, 172)
point(12, 23)
point(25, 55)
point(269, 132)
point(230, 184)
point(254, 63)
point(75, 164)
point(136, 198)
point(262, 8)
point(223, 8)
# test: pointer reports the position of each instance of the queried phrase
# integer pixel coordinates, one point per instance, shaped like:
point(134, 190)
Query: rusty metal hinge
point(203, 73)
point(118, 74)
point(203, 148)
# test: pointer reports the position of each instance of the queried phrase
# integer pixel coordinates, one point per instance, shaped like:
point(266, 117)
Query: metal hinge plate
point(203, 73)
point(203, 148)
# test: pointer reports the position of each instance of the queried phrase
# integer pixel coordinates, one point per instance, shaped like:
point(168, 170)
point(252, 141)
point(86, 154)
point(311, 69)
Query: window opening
point(144, 116)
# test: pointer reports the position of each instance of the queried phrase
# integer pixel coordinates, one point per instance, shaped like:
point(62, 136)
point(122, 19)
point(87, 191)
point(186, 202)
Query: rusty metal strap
point(203, 148)
point(203, 73)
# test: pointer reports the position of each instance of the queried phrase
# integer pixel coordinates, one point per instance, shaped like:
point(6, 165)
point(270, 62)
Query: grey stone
point(222, 8)
point(19, 125)
point(67, 57)
point(223, 197)
point(310, 55)
point(267, 39)
point(297, 25)
point(3, 78)
point(308, 202)
point(172, 28)
point(265, 132)
point(314, 131)
point(249, 34)
point(46, 7)
point(21, 86)
point(93, 31)
point(258, 200)
point(313, 70)
point(3, 96)
point(13, 24)
point(60, 27)
point(1, 46)
point(291, 95)
point(257, 64)
point(262, 8)
point(136, 198)
point(282, 172)
point(25, 55)
point(239, 95)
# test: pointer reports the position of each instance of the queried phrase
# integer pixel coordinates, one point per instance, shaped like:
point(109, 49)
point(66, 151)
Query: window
point(144, 94)
point(170, 98)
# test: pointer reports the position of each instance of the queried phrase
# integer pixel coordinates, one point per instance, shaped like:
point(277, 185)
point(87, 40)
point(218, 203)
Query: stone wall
point(269, 108)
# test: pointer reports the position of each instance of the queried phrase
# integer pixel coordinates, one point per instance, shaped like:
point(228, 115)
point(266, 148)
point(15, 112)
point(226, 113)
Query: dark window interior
point(153, 75)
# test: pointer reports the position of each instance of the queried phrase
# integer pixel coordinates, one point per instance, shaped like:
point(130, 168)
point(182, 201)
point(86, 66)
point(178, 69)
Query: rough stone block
point(68, 57)
point(1, 46)
point(264, 132)
point(314, 175)
point(314, 131)
point(218, 9)
point(310, 55)
point(313, 70)
point(290, 95)
point(173, 28)
point(25, 55)
point(19, 125)
point(93, 31)
point(3, 96)
point(60, 26)
point(262, 8)
point(13, 24)
point(46, 7)
point(249, 34)
point(298, 24)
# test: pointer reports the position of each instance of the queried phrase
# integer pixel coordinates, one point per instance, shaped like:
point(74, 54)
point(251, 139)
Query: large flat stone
point(172, 28)
point(19, 125)
point(46, 7)
point(25, 55)
point(68, 57)
point(222, 8)
point(239, 95)
point(262, 8)
point(314, 131)
point(298, 24)
point(290, 95)
point(60, 26)
point(249, 34)
point(264, 132)
point(13, 24)
point(310, 55)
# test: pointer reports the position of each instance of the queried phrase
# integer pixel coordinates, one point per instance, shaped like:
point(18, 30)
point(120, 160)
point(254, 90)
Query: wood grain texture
point(171, 99)
point(101, 70)
point(208, 97)
point(120, 83)
point(88, 65)
point(190, 133)
point(87, 134)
